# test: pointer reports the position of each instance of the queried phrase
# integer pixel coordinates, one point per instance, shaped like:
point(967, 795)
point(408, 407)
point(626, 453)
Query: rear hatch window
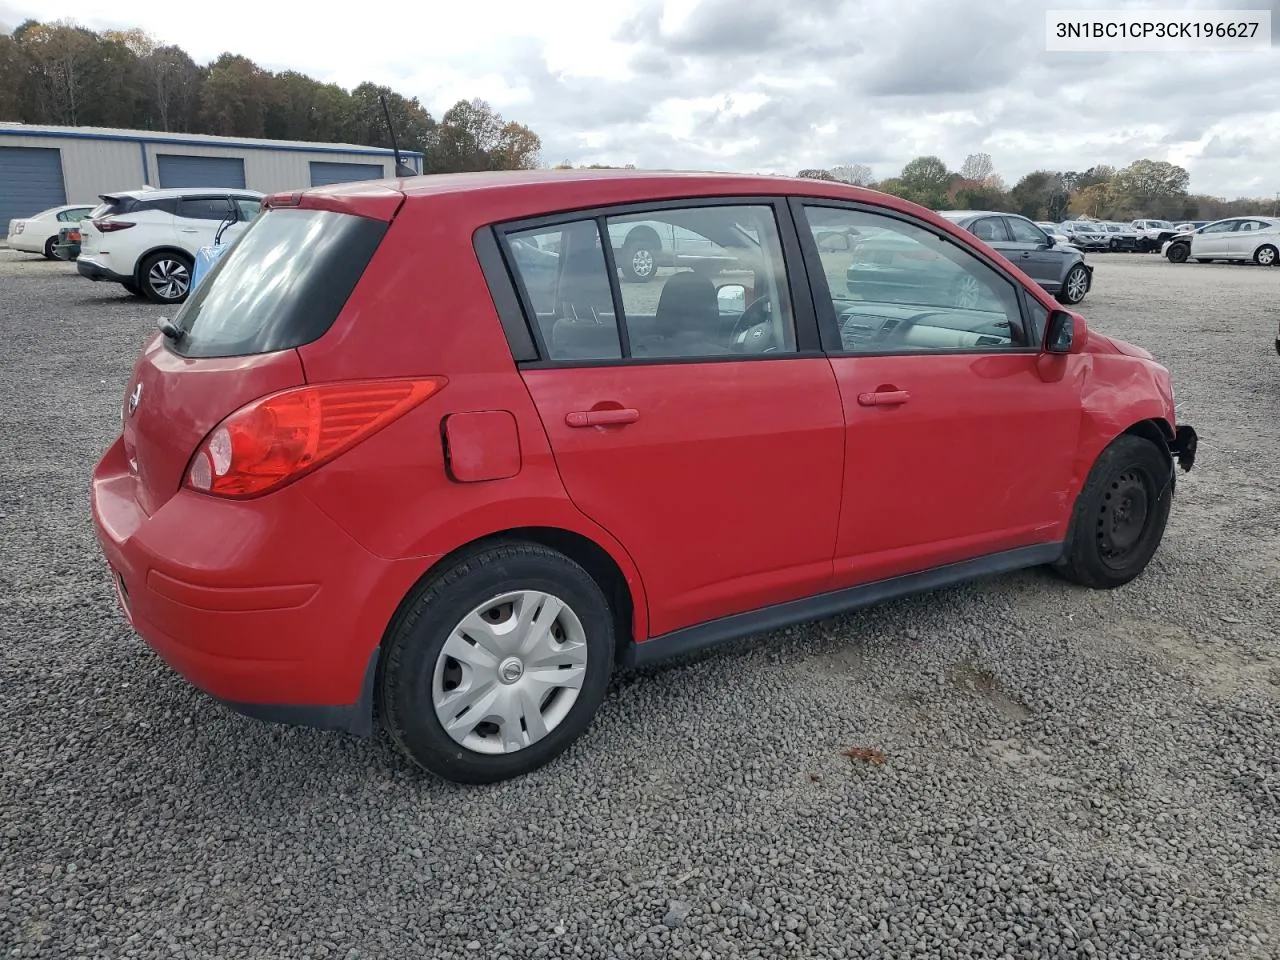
point(281, 285)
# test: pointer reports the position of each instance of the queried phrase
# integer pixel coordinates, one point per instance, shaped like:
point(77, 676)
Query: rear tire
point(527, 721)
point(1120, 515)
point(640, 254)
point(166, 277)
point(1266, 256)
point(48, 248)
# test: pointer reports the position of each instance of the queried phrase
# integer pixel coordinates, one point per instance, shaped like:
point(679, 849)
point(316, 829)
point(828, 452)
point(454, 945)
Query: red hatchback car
point(416, 449)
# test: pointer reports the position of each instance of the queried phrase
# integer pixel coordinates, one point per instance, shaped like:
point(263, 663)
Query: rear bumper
point(266, 605)
point(95, 271)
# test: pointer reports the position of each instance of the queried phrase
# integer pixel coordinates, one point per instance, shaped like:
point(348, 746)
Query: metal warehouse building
point(42, 167)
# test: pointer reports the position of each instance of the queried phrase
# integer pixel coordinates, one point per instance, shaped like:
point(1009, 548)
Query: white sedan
point(1248, 239)
point(39, 233)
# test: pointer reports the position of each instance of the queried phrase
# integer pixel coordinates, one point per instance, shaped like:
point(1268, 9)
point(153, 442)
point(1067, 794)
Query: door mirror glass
point(1048, 240)
point(1061, 334)
point(732, 298)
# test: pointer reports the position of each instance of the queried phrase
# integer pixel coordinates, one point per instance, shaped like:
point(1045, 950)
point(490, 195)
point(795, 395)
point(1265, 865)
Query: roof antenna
point(402, 168)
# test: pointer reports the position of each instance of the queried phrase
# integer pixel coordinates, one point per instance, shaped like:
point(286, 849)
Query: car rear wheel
point(497, 664)
point(1075, 286)
point(639, 260)
point(48, 248)
point(1120, 515)
point(166, 277)
point(1266, 256)
point(1178, 253)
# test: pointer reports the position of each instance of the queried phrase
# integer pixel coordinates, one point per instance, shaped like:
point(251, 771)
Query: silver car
point(1059, 268)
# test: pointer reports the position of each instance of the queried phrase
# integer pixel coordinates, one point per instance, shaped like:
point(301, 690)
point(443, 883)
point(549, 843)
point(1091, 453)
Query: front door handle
point(600, 418)
point(884, 398)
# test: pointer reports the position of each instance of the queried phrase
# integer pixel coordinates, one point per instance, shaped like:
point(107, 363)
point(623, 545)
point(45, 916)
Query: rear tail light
point(110, 226)
point(277, 439)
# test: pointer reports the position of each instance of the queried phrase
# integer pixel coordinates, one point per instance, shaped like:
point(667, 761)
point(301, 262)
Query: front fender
point(1117, 393)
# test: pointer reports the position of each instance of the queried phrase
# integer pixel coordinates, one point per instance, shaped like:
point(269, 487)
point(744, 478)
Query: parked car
point(397, 486)
point(1061, 270)
point(1121, 237)
point(1054, 231)
point(641, 246)
point(39, 233)
point(146, 240)
point(67, 246)
point(1255, 239)
point(1152, 234)
point(1086, 234)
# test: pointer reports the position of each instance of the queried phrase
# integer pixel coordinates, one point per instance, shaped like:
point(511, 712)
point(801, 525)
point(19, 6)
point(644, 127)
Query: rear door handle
point(884, 398)
point(599, 418)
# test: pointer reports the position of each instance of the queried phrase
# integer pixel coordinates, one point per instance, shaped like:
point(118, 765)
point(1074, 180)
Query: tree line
point(64, 74)
point(1144, 189)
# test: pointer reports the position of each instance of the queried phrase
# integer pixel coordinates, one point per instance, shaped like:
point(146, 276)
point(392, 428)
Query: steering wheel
point(755, 314)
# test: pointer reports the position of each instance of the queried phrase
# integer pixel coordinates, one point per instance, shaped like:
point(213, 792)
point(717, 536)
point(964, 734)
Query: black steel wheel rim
point(1125, 515)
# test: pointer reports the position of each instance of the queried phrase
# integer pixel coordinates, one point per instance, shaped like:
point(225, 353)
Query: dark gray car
point(1059, 268)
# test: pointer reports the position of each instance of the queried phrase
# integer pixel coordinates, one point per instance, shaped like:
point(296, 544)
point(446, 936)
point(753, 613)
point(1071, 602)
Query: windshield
point(281, 284)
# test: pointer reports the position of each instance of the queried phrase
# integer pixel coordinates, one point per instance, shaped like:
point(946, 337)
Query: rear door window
point(204, 208)
point(280, 286)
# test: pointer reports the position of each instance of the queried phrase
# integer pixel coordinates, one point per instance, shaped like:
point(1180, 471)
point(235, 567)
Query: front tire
point(1178, 253)
point(1120, 515)
point(1075, 286)
point(498, 663)
point(166, 277)
point(1266, 256)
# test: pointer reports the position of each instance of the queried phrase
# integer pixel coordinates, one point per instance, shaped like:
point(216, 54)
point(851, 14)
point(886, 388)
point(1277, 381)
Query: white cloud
point(763, 86)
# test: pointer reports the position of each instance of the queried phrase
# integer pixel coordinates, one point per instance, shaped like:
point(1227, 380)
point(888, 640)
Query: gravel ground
point(1066, 773)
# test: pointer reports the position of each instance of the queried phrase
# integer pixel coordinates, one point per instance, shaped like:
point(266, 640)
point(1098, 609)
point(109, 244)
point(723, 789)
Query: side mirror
point(1066, 333)
point(732, 298)
point(1048, 239)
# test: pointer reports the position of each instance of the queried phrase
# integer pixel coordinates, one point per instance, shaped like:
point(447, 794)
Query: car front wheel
point(1120, 515)
point(166, 277)
point(1075, 286)
point(1178, 253)
point(498, 663)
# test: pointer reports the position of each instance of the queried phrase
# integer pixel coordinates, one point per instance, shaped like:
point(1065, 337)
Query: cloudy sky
point(768, 86)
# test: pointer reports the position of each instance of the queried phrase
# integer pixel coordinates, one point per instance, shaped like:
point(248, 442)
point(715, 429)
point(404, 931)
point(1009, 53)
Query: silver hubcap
point(510, 672)
point(1076, 285)
point(967, 292)
point(1266, 256)
point(642, 262)
point(169, 278)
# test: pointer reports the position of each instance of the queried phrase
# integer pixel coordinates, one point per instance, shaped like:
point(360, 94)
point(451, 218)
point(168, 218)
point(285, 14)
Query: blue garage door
point(180, 171)
point(323, 172)
point(30, 181)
